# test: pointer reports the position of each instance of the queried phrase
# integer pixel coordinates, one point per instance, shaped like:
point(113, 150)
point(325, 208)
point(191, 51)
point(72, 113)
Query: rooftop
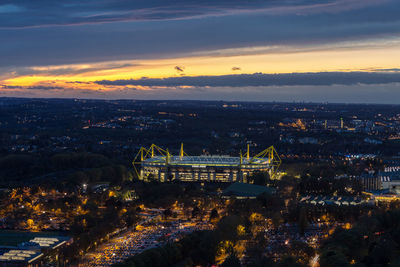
point(246, 190)
point(20, 255)
point(206, 160)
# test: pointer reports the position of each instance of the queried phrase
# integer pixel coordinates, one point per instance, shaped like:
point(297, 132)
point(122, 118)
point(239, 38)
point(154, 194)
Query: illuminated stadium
point(157, 163)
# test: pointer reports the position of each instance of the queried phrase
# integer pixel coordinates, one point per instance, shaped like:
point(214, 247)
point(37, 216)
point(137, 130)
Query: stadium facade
point(157, 163)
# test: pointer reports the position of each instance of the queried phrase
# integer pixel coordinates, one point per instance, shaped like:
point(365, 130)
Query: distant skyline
point(263, 50)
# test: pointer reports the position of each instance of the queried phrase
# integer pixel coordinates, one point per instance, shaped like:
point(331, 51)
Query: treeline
point(373, 241)
point(322, 179)
point(80, 167)
point(155, 194)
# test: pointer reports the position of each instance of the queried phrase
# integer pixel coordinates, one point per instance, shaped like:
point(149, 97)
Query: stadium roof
point(205, 160)
point(156, 156)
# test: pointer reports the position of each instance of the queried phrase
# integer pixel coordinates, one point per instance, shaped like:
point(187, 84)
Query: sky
point(260, 50)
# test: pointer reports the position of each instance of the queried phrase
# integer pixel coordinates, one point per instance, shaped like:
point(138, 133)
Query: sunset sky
point(260, 50)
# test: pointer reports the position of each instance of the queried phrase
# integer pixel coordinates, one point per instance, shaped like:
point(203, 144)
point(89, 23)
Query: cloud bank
point(75, 12)
point(261, 79)
point(48, 32)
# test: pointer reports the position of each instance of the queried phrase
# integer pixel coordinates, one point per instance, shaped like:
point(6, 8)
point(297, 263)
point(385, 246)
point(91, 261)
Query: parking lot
point(148, 235)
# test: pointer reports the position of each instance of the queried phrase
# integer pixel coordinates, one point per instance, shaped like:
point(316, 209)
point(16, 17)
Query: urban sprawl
point(198, 183)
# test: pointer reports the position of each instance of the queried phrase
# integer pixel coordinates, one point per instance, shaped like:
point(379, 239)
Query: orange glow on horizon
point(84, 76)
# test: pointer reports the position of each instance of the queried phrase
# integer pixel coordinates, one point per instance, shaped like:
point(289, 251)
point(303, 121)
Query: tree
point(372, 241)
point(131, 218)
point(256, 249)
point(277, 220)
point(303, 222)
point(263, 262)
point(333, 258)
point(213, 215)
point(167, 213)
point(289, 262)
point(187, 204)
point(231, 261)
point(195, 212)
point(259, 178)
point(301, 250)
point(227, 227)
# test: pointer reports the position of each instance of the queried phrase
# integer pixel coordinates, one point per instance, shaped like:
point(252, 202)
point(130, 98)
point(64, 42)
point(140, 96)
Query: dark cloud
point(74, 12)
point(236, 68)
point(179, 68)
point(260, 79)
point(55, 91)
point(386, 70)
point(155, 29)
point(384, 94)
point(66, 70)
point(35, 87)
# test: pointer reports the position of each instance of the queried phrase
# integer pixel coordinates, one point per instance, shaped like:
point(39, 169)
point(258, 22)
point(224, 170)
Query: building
point(389, 180)
point(30, 253)
point(246, 191)
point(371, 181)
point(157, 163)
point(14, 257)
point(335, 200)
